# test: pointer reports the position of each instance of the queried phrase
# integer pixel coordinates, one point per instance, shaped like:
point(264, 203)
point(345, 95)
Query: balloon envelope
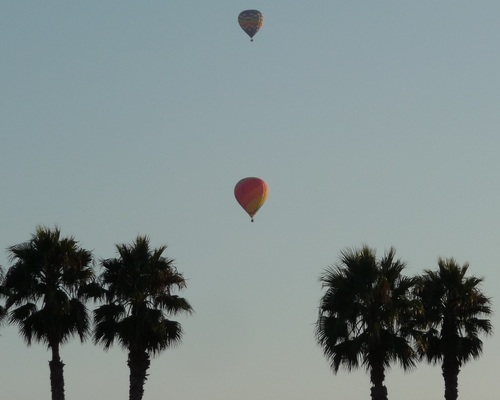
point(251, 193)
point(251, 21)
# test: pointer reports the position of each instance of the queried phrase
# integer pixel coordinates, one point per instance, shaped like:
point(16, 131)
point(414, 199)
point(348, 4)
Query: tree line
point(51, 279)
point(370, 315)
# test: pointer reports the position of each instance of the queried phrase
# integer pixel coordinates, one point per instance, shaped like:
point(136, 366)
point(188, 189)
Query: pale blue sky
point(372, 122)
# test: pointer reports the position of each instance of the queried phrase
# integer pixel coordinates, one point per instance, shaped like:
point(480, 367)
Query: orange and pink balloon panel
point(251, 193)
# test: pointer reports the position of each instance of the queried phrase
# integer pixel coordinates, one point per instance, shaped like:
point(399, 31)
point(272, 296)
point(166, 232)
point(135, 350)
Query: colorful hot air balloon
point(251, 21)
point(251, 193)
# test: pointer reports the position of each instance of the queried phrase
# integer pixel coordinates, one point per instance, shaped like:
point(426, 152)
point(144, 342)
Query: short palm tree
point(139, 288)
point(365, 315)
point(2, 294)
point(44, 297)
point(454, 312)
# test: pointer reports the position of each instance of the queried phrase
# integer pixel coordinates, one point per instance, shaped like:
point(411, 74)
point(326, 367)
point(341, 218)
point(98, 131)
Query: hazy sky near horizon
point(371, 122)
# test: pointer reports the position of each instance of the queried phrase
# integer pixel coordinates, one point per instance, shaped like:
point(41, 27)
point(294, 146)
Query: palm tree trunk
point(56, 374)
point(377, 377)
point(450, 368)
point(138, 363)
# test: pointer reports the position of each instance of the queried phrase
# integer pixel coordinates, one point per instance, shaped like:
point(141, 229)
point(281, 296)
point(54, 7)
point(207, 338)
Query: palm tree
point(44, 296)
point(139, 289)
point(454, 313)
point(365, 315)
point(2, 294)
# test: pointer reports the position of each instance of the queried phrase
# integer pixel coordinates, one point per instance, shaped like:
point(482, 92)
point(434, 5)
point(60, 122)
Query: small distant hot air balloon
point(251, 193)
point(251, 21)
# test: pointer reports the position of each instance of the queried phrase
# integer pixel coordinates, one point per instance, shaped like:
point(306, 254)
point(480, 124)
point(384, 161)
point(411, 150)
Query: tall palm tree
point(365, 315)
point(454, 312)
point(44, 294)
point(139, 289)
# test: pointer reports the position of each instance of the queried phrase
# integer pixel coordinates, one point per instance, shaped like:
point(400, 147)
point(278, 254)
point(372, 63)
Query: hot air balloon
point(251, 193)
point(251, 21)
